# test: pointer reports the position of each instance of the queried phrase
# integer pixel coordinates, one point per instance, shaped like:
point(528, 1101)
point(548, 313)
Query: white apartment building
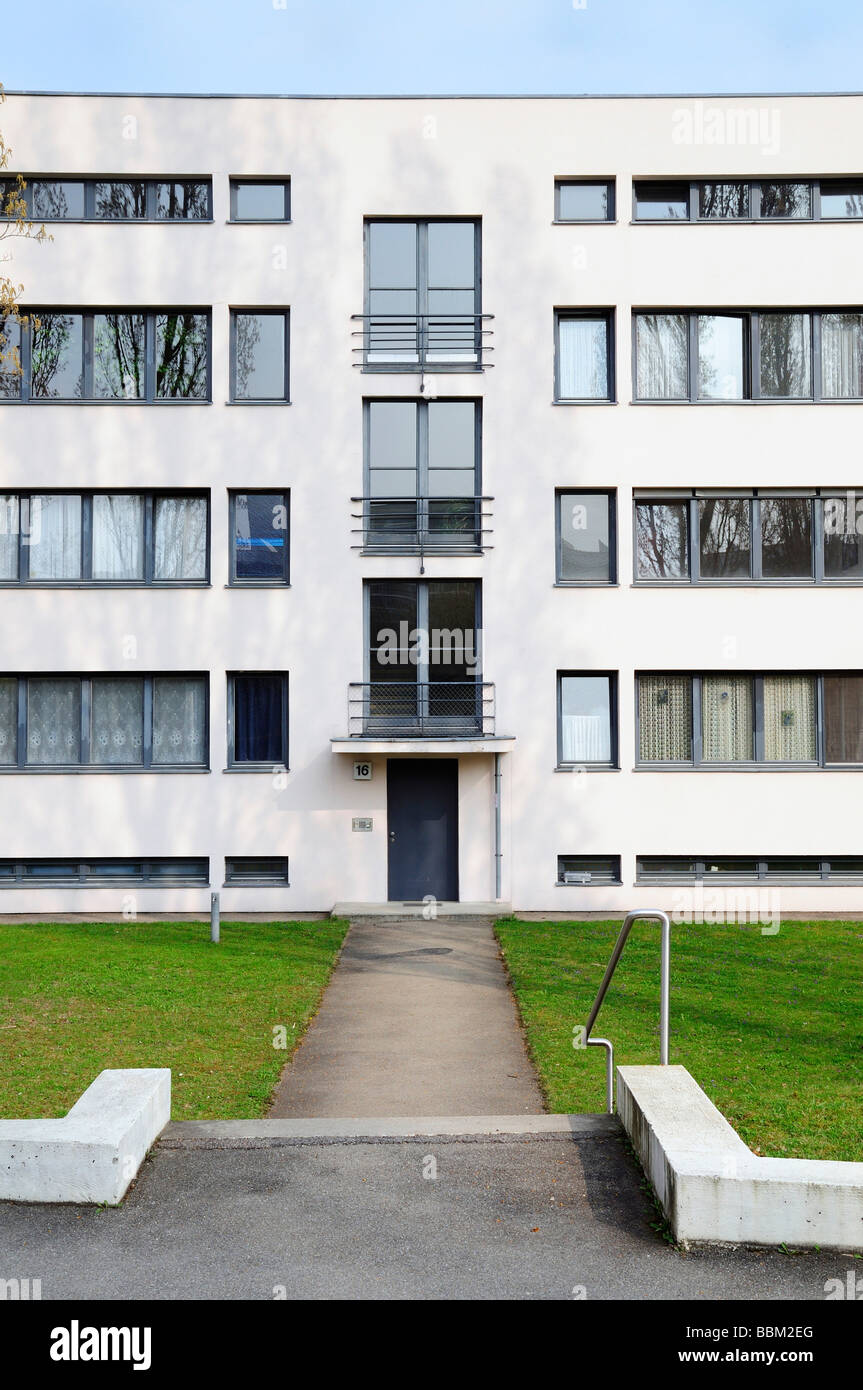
point(432, 497)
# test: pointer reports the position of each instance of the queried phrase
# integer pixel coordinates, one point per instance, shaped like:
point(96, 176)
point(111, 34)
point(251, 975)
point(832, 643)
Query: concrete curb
point(278, 1133)
point(713, 1189)
point(92, 1154)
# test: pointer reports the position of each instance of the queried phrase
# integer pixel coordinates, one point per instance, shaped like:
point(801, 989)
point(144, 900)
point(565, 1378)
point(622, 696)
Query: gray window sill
point(258, 221)
point(111, 883)
point(280, 402)
point(258, 584)
point(746, 584)
point(99, 771)
point(584, 222)
point(256, 883)
point(758, 400)
point(589, 584)
point(272, 769)
point(597, 883)
point(120, 221)
point(584, 767)
point(126, 404)
point(587, 401)
point(104, 584)
point(762, 767)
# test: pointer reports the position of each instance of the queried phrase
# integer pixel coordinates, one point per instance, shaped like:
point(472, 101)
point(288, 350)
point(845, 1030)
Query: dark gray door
point(422, 825)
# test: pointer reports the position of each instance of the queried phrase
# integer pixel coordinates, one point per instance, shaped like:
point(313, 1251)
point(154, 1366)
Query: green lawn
point(76, 998)
point(771, 1027)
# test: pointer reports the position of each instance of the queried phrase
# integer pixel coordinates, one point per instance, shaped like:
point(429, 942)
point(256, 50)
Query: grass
point(78, 997)
point(770, 1027)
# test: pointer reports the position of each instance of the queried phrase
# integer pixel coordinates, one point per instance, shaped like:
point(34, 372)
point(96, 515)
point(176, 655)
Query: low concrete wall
point(92, 1154)
point(714, 1189)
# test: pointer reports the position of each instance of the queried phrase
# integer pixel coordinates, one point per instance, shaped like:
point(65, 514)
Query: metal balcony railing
point(417, 525)
point(432, 709)
point(422, 342)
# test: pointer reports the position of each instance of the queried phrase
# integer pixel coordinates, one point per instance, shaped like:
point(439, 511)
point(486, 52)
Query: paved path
point(418, 1019)
point(512, 1218)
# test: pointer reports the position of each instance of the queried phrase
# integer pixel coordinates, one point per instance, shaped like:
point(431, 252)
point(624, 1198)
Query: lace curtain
point(180, 525)
point(117, 721)
point(665, 718)
point(726, 719)
point(118, 537)
point(178, 719)
point(789, 719)
point(842, 355)
point(8, 721)
point(8, 536)
point(54, 721)
point(54, 538)
point(583, 365)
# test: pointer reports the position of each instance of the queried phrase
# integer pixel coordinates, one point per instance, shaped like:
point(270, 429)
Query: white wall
point(495, 159)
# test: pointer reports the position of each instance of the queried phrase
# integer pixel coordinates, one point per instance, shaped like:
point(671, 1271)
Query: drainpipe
point(498, 852)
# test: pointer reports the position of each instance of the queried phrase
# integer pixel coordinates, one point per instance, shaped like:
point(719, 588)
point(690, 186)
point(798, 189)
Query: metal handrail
point(664, 995)
point(414, 341)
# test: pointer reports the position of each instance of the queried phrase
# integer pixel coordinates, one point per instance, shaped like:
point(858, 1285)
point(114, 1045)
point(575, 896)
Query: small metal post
point(214, 917)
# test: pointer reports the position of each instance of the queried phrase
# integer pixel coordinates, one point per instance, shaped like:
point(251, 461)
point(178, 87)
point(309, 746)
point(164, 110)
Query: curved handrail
point(664, 994)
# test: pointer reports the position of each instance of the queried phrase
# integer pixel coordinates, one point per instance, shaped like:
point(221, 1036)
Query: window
point(259, 349)
point(584, 869)
point(131, 355)
point(788, 200)
point(584, 356)
point(103, 538)
point(584, 200)
point(586, 538)
point(260, 200)
point(738, 869)
point(114, 200)
point(424, 657)
point(258, 719)
point(813, 537)
point(422, 475)
point(260, 550)
point(661, 202)
point(787, 355)
point(782, 718)
point(120, 721)
point(661, 540)
point(104, 873)
point(423, 295)
point(253, 871)
point(587, 719)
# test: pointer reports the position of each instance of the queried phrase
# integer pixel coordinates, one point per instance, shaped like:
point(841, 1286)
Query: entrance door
point(422, 823)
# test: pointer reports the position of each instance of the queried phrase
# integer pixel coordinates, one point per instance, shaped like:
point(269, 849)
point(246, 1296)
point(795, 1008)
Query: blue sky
point(429, 46)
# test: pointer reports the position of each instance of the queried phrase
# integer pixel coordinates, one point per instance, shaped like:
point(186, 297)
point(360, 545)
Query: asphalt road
point(512, 1218)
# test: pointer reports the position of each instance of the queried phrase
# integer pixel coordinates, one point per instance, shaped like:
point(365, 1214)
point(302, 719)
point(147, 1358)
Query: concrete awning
point(418, 747)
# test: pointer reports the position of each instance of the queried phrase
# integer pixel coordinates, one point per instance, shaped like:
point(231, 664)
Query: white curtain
point(665, 718)
point(8, 536)
point(180, 525)
point(117, 720)
point(54, 537)
point(118, 537)
point(842, 355)
point(661, 357)
point(586, 738)
point(8, 721)
point(178, 719)
point(583, 366)
point(726, 719)
point(54, 721)
point(789, 719)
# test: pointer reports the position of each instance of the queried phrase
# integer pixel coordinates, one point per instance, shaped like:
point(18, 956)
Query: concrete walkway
point(418, 1019)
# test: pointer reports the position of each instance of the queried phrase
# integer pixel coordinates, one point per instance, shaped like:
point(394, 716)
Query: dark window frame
point(600, 313)
point(86, 581)
point(279, 878)
point(150, 182)
point(830, 869)
point(88, 877)
point(753, 187)
point(276, 180)
point(610, 183)
point(260, 311)
point(427, 365)
point(239, 582)
point(257, 766)
point(86, 764)
point(758, 762)
point(754, 497)
point(613, 765)
point(88, 316)
point(423, 497)
point(422, 623)
point(751, 356)
point(614, 872)
point(575, 491)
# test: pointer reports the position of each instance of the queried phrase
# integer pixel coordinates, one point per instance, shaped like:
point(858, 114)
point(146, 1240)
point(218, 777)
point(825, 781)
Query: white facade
point(495, 160)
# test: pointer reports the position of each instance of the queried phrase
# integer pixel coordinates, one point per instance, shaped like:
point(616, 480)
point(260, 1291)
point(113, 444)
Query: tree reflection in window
point(181, 356)
point(118, 356)
point(57, 359)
